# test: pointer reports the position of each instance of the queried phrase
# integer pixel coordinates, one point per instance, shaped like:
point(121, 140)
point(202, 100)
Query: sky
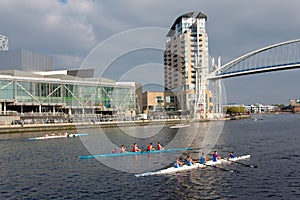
point(78, 32)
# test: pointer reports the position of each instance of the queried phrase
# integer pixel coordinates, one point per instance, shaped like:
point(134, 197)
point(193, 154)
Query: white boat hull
point(180, 126)
point(58, 136)
point(195, 166)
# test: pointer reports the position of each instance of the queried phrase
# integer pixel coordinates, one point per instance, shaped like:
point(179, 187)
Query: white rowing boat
point(195, 166)
point(58, 136)
point(180, 126)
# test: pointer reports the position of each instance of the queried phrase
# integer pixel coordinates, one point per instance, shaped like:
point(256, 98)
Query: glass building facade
point(71, 95)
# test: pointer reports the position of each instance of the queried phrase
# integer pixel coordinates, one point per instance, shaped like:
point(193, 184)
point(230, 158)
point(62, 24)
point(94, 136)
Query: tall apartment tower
point(186, 62)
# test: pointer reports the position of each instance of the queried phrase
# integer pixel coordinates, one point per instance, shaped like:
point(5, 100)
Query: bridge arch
point(281, 56)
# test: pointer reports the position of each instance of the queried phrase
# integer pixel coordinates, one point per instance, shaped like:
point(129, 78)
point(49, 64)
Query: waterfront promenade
point(108, 124)
point(73, 126)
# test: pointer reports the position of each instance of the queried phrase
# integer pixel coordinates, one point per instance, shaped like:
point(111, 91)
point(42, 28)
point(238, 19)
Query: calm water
point(50, 169)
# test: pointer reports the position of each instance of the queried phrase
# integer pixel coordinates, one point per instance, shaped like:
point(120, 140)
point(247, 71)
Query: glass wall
point(61, 94)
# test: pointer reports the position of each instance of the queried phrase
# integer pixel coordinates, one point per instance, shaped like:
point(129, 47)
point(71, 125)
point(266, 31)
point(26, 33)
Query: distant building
point(295, 105)
point(259, 108)
point(153, 102)
point(159, 104)
point(25, 60)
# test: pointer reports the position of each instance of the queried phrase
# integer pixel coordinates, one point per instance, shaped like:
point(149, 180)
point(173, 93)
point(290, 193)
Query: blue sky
point(69, 30)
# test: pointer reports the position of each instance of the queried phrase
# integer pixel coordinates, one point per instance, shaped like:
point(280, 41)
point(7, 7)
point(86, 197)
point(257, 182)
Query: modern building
point(159, 102)
point(25, 60)
point(186, 62)
point(29, 93)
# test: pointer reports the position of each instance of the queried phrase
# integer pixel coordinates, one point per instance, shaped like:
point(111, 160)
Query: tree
point(234, 110)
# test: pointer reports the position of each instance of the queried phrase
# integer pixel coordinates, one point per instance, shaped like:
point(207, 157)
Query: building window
point(170, 99)
point(159, 99)
point(150, 108)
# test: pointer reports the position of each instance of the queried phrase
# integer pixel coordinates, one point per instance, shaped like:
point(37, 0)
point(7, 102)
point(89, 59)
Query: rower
point(203, 159)
point(123, 149)
point(216, 156)
point(159, 147)
point(189, 161)
point(135, 148)
point(177, 163)
point(231, 155)
point(150, 147)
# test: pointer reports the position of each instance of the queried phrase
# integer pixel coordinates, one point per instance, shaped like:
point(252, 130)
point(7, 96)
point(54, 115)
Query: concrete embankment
point(239, 117)
point(75, 126)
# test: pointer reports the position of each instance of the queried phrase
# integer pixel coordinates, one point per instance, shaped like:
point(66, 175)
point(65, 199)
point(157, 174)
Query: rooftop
point(199, 15)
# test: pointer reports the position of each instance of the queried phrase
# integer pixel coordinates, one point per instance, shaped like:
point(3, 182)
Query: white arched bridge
point(281, 56)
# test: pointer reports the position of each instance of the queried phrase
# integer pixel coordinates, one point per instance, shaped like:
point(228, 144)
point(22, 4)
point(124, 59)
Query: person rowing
point(177, 163)
point(231, 155)
point(216, 156)
point(123, 149)
point(159, 147)
point(189, 161)
point(202, 159)
point(150, 147)
point(135, 148)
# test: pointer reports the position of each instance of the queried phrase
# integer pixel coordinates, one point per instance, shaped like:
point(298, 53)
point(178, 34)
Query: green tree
point(234, 110)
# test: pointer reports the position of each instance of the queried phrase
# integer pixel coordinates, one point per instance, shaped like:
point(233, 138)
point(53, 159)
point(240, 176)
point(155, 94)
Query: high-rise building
point(186, 62)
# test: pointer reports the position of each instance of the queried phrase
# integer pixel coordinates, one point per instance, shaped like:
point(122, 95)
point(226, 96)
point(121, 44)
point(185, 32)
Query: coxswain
point(202, 159)
point(177, 163)
point(189, 161)
point(216, 156)
point(150, 147)
point(231, 155)
point(123, 149)
point(135, 148)
point(159, 147)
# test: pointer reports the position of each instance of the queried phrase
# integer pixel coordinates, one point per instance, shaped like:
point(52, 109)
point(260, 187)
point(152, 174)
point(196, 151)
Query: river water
point(51, 169)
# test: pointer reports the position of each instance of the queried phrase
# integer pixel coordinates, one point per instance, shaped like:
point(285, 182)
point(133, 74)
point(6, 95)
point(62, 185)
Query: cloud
point(48, 26)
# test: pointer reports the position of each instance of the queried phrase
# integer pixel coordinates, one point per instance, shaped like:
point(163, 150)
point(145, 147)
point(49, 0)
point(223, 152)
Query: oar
point(226, 170)
point(246, 165)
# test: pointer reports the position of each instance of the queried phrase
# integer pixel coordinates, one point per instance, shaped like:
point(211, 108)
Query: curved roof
point(200, 15)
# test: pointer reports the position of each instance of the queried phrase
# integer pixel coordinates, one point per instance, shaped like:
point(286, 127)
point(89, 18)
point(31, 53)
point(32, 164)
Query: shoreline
point(4, 129)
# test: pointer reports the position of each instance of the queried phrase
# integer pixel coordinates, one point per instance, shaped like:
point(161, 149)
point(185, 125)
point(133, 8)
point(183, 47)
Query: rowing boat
point(58, 136)
point(136, 153)
point(180, 126)
point(195, 166)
